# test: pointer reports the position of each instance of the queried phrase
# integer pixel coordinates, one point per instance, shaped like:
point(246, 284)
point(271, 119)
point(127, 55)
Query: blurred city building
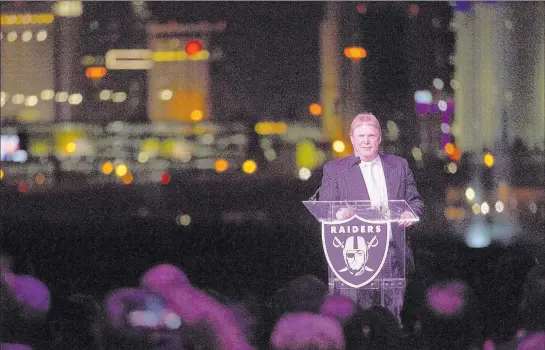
point(113, 91)
point(179, 78)
point(500, 74)
point(28, 65)
point(385, 58)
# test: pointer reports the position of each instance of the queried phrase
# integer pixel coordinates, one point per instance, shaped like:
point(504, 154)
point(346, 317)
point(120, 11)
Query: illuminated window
point(47, 95)
point(18, 99)
point(41, 35)
point(165, 95)
point(61, 96)
point(119, 97)
point(31, 101)
point(68, 8)
point(105, 95)
point(26, 36)
point(12, 36)
point(75, 99)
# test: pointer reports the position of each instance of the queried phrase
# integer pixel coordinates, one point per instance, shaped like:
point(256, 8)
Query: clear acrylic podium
point(381, 279)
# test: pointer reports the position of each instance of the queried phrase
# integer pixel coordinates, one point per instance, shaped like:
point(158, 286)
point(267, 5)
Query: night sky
point(271, 63)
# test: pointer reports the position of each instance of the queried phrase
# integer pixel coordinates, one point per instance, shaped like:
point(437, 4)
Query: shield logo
point(355, 249)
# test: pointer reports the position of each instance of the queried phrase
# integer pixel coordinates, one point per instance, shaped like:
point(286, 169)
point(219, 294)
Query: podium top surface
point(391, 211)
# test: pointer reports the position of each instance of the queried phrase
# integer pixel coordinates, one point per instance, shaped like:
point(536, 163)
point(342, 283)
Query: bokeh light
point(39, 179)
point(470, 194)
point(249, 166)
point(221, 165)
point(121, 170)
point(107, 168)
point(304, 174)
point(196, 115)
point(488, 160)
point(127, 178)
point(338, 146)
point(184, 220)
point(315, 109)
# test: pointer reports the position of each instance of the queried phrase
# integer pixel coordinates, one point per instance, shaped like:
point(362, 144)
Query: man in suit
point(368, 174)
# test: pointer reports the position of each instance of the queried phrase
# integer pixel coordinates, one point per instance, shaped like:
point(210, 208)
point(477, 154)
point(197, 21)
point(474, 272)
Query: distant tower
point(179, 80)
point(27, 71)
point(114, 90)
point(500, 68)
point(341, 92)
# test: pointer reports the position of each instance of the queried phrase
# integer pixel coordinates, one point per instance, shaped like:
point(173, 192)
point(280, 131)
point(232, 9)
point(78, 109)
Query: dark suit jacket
point(351, 185)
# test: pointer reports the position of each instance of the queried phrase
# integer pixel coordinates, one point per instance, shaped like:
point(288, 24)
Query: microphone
point(313, 198)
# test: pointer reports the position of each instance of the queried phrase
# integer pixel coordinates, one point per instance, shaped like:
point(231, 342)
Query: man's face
point(355, 259)
point(365, 140)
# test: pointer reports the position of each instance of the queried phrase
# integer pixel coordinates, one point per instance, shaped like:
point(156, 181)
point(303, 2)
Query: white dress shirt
point(376, 186)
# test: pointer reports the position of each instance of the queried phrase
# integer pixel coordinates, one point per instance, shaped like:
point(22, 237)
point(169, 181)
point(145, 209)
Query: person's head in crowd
point(449, 316)
point(338, 306)
point(533, 341)
point(375, 328)
point(305, 330)
point(163, 276)
point(205, 320)
point(532, 307)
point(136, 319)
point(24, 304)
point(303, 294)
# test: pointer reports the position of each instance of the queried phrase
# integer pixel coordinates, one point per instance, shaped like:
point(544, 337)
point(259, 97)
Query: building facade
point(500, 74)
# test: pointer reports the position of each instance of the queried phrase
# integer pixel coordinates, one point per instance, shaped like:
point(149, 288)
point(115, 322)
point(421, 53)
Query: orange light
point(449, 148)
point(315, 109)
point(193, 47)
point(456, 154)
point(1, 174)
point(221, 165)
point(196, 115)
point(39, 179)
point(355, 53)
point(127, 178)
point(95, 73)
point(107, 168)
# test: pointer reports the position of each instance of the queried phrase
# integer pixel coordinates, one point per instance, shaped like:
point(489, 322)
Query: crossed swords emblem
point(337, 243)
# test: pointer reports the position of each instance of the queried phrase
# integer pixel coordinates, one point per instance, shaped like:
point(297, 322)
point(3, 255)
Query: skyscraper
point(500, 74)
point(28, 61)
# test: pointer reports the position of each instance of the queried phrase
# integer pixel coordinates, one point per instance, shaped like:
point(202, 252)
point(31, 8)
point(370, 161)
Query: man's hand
point(344, 213)
point(406, 216)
